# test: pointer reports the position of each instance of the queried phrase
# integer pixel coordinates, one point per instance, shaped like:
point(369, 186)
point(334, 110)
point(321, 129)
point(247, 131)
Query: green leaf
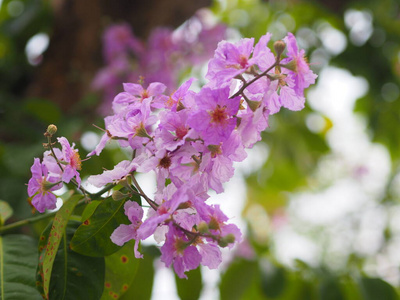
point(5, 212)
point(76, 276)
point(89, 209)
point(121, 269)
point(189, 288)
point(329, 289)
point(56, 235)
point(273, 280)
point(377, 289)
point(142, 285)
point(93, 237)
point(18, 259)
point(237, 279)
point(73, 271)
point(351, 289)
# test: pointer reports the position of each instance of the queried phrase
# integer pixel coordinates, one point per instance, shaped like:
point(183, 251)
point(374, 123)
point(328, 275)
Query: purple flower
point(106, 137)
point(122, 169)
point(163, 212)
point(229, 61)
point(252, 124)
point(125, 233)
point(215, 117)
point(262, 55)
point(177, 250)
point(173, 130)
point(210, 255)
point(118, 39)
point(133, 124)
point(134, 94)
point(40, 187)
point(228, 234)
point(72, 159)
point(301, 73)
point(178, 97)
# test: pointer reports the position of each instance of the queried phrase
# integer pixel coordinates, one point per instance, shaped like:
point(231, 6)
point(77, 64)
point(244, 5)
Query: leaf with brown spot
point(93, 237)
point(72, 271)
point(55, 236)
point(121, 269)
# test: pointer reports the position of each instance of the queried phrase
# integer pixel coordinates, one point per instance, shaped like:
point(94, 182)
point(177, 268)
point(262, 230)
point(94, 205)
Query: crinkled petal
point(210, 255)
point(122, 234)
point(43, 201)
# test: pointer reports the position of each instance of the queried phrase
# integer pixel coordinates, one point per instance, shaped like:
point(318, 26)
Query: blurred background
point(318, 199)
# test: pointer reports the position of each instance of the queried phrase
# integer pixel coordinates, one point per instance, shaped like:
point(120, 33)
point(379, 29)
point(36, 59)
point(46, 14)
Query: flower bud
point(279, 47)
point(292, 66)
point(47, 185)
point(253, 105)
point(226, 240)
point(203, 227)
point(117, 196)
point(51, 130)
point(142, 132)
point(125, 181)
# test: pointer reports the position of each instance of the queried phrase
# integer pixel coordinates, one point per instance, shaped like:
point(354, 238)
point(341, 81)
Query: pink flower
point(178, 97)
point(210, 255)
point(135, 124)
point(163, 212)
point(173, 129)
point(104, 139)
point(72, 161)
point(122, 169)
point(300, 70)
point(40, 187)
point(134, 94)
point(229, 61)
point(125, 233)
point(214, 118)
point(177, 250)
point(118, 40)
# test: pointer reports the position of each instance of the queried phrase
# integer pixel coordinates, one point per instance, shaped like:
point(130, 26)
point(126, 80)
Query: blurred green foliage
point(294, 151)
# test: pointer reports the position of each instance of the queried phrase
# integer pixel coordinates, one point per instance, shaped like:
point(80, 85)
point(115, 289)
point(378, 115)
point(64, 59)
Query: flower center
point(180, 245)
point(165, 162)
point(170, 102)
point(181, 132)
point(243, 61)
point(145, 94)
point(76, 162)
point(218, 115)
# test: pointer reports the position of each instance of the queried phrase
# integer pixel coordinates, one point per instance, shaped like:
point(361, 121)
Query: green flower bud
point(226, 240)
point(253, 104)
point(142, 132)
point(117, 196)
point(51, 130)
point(292, 66)
point(203, 227)
point(279, 47)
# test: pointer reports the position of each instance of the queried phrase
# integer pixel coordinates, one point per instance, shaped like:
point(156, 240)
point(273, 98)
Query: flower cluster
point(57, 166)
point(191, 140)
point(163, 58)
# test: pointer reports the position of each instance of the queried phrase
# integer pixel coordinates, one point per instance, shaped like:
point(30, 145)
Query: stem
point(73, 180)
point(148, 200)
point(101, 192)
point(244, 86)
point(54, 154)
